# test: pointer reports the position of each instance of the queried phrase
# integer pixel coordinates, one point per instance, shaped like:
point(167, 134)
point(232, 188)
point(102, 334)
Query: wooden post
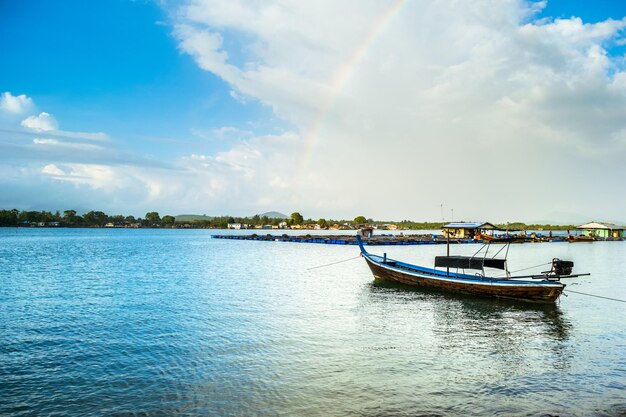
point(448, 252)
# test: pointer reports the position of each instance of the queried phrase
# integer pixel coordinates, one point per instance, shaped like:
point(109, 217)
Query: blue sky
point(236, 107)
point(589, 11)
point(116, 64)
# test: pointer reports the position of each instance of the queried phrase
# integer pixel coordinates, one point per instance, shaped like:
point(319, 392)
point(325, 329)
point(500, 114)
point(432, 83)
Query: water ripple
point(170, 322)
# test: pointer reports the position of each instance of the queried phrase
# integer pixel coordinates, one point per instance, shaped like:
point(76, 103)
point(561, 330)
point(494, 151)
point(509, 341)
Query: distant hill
point(561, 217)
point(192, 217)
point(274, 215)
point(200, 217)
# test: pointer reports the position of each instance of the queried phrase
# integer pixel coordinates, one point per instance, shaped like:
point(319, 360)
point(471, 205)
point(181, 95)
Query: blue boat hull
point(536, 291)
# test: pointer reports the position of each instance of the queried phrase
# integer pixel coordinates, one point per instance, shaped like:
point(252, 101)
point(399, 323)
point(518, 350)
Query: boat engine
point(560, 267)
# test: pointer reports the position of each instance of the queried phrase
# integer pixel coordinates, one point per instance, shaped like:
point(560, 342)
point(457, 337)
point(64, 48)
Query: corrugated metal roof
point(472, 225)
point(598, 225)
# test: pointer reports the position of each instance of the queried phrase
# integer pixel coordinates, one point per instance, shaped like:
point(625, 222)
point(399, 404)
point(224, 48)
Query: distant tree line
point(70, 218)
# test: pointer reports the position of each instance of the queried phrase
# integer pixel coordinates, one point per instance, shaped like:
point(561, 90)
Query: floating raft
point(349, 239)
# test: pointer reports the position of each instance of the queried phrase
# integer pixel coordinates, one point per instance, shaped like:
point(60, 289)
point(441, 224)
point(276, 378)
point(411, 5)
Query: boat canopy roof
point(467, 262)
point(470, 225)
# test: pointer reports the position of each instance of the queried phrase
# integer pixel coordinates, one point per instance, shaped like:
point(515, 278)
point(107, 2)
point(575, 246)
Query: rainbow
point(341, 75)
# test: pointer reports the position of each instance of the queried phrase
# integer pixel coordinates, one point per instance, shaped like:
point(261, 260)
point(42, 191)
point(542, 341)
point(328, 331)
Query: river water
point(171, 322)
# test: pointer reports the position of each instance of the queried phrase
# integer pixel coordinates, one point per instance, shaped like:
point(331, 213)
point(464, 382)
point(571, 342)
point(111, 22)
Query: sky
point(489, 110)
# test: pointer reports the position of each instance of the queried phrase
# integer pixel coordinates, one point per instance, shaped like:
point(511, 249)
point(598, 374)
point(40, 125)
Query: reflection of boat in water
point(456, 309)
point(543, 287)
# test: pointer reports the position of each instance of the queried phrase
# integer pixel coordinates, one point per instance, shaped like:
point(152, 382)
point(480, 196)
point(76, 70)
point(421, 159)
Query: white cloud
point(206, 48)
point(229, 181)
point(426, 96)
point(232, 180)
point(99, 177)
point(52, 169)
point(279, 182)
point(395, 108)
point(45, 141)
point(15, 104)
point(227, 133)
point(44, 122)
point(67, 145)
point(94, 136)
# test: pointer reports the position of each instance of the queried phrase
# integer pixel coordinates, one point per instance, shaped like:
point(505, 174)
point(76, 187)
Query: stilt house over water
point(464, 230)
point(602, 230)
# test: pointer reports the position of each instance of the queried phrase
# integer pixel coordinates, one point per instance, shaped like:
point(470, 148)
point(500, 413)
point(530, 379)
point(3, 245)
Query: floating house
point(463, 230)
point(602, 230)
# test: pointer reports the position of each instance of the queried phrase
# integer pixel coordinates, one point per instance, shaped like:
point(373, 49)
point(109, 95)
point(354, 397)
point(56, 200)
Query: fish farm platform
point(349, 239)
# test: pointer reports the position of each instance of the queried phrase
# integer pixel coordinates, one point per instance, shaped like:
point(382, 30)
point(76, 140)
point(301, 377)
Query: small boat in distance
point(507, 238)
point(544, 287)
point(580, 238)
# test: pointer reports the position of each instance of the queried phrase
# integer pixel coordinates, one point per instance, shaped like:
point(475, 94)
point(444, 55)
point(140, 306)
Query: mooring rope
point(334, 263)
point(597, 296)
point(519, 270)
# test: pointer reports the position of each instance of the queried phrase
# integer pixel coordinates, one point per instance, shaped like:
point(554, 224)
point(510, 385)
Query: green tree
point(117, 219)
point(222, 222)
point(322, 222)
point(28, 217)
point(48, 216)
point(153, 218)
point(8, 217)
point(68, 214)
point(96, 218)
point(360, 220)
point(296, 218)
point(168, 220)
point(71, 219)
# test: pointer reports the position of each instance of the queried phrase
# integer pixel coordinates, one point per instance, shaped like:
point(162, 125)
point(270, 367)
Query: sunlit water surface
point(171, 322)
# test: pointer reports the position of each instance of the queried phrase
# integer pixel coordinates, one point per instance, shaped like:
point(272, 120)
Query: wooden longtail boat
point(544, 287)
point(580, 238)
point(503, 239)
